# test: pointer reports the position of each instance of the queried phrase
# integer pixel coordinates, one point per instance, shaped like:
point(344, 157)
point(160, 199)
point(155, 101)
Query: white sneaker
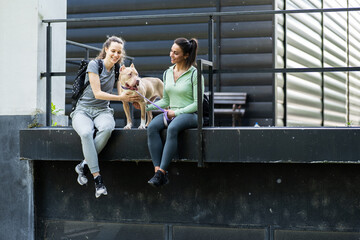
point(100, 188)
point(82, 179)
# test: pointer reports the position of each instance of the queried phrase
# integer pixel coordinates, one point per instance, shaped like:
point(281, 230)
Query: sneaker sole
point(80, 174)
point(157, 186)
point(81, 182)
point(152, 184)
point(97, 195)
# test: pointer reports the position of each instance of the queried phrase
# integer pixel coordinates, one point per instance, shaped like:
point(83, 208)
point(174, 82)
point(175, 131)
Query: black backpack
point(206, 104)
point(79, 84)
point(206, 111)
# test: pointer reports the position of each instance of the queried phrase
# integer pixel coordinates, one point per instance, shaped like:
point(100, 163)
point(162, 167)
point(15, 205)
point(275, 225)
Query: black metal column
point(48, 75)
point(285, 66)
point(348, 65)
point(200, 115)
point(322, 65)
point(274, 75)
point(218, 46)
point(211, 82)
point(200, 63)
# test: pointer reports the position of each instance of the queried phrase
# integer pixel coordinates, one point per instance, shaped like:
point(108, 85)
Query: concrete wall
point(22, 95)
point(22, 47)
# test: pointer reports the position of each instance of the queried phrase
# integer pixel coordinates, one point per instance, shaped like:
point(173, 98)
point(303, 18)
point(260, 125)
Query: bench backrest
point(229, 97)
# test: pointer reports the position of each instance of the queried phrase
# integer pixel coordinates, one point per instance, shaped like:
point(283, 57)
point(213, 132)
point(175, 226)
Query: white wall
point(22, 51)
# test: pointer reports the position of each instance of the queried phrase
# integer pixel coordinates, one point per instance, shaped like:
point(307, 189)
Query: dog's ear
point(122, 68)
point(132, 65)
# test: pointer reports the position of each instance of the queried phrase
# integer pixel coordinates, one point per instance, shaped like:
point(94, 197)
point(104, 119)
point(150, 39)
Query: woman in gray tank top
point(93, 115)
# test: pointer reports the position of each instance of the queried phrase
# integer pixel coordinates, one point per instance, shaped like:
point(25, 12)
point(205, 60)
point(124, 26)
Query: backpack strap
point(192, 75)
point(164, 77)
point(117, 72)
point(100, 69)
point(101, 65)
point(117, 69)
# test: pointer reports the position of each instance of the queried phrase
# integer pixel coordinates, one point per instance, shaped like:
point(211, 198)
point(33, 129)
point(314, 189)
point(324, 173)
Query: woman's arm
point(99, 94)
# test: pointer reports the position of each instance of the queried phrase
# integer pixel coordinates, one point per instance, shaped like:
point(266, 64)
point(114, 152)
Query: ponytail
point(188, 47)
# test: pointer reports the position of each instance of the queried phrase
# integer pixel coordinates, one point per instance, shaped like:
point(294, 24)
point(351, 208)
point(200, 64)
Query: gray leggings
point(84, 121)
point(162, 155)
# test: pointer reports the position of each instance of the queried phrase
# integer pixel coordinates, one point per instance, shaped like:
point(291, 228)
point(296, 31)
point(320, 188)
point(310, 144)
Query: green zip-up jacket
point(180, 96)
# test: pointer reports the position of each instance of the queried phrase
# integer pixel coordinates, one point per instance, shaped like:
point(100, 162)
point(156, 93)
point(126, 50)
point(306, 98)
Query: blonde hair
point(106, 45)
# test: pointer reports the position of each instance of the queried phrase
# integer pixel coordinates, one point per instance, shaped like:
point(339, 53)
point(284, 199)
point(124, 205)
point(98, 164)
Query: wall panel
point(241, 42)
point(321, 40)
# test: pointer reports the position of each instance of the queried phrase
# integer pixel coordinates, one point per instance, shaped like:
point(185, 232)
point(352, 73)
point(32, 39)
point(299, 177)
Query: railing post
point(211, 38)
point(87, 56)
point(48, 75)
point(211, 82)
point(200, 115)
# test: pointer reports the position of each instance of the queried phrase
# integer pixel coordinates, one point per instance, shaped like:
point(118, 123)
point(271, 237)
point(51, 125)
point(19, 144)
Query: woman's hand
point(136, 105)
point(130, 97)
point(170, 114)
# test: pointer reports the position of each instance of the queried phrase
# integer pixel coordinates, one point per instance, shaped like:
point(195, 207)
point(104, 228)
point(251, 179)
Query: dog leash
point(161, 109)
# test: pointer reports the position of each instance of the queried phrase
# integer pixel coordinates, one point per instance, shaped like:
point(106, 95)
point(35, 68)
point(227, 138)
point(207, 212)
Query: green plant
point(54, 111)
point(35, 120)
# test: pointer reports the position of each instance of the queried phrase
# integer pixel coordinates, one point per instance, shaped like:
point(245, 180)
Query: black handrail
point(48, 74)
point(77, 60)
point(88, 47)
point(200, 64)
point(205, 14)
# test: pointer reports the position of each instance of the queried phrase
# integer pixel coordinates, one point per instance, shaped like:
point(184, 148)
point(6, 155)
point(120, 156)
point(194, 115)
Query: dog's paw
point(142, 126)
point(128, 126)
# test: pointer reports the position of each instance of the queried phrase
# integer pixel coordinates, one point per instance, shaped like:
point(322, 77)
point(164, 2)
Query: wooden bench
point(230, 103)
point(226, 103)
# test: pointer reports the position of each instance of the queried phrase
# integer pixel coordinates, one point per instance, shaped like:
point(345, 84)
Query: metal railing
point(201, 62)
point(200, 65)
point(86, 47)
point(87, 52)
point(57, 74)
point(208, 15)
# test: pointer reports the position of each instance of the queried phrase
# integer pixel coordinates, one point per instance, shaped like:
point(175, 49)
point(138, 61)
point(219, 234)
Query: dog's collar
point(126, 88)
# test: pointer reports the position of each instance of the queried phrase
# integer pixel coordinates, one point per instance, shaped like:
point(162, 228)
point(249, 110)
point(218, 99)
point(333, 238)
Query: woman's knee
point(86, 134)
point(154, 128)
point(172, 131)
point(106, 126)
point(107, 129)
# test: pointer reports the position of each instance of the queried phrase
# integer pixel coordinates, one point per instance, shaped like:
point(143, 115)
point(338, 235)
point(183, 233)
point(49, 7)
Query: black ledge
point(240, 144)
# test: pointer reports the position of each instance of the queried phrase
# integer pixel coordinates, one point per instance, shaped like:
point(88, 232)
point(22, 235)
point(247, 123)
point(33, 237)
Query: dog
point(149, 87)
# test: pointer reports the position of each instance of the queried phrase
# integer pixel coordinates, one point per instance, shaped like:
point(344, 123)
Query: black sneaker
point(100, 188)
point(82, 171)
point(159, 179)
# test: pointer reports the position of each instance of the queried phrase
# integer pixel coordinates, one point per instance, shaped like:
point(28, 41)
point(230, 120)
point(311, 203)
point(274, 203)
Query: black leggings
point(162, 155)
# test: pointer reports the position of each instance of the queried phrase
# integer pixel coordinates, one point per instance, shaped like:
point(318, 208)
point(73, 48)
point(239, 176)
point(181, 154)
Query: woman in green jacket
point(180, 97)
